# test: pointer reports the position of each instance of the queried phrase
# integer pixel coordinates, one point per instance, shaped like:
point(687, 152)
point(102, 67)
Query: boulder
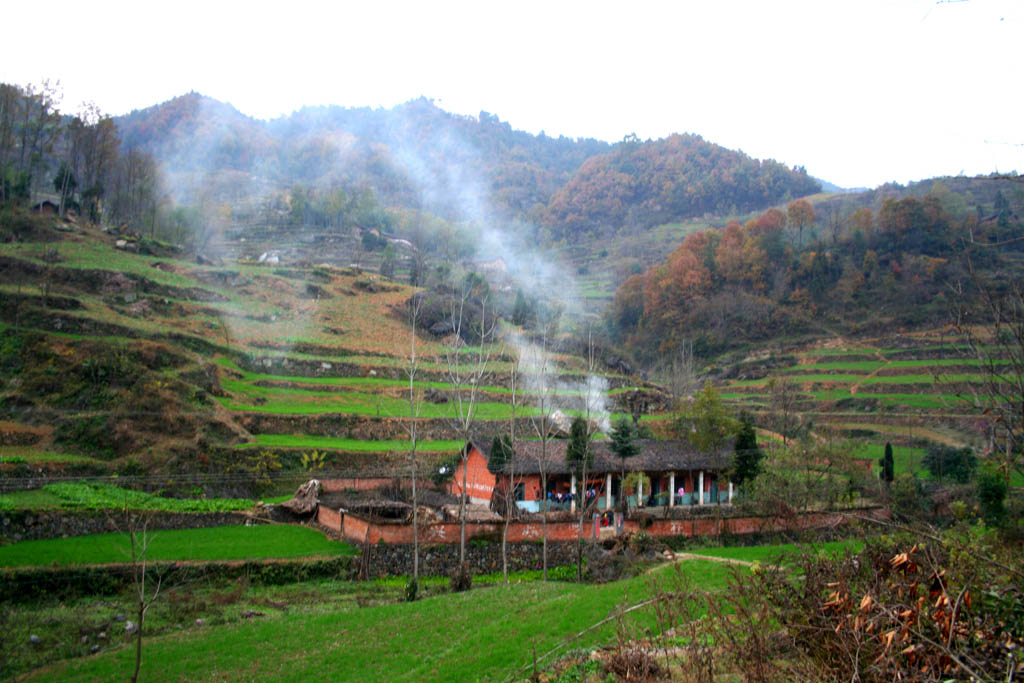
point(435, 396)
point(305, 500)
point(442, 328)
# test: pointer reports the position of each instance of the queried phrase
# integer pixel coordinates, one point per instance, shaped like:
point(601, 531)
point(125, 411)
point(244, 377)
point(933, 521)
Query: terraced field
point(118, 359)
point(917, 390)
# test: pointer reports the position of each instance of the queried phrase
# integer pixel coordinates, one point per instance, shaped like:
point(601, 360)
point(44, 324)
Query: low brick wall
point(33, 525)
point(359, 529)
point(355, 484)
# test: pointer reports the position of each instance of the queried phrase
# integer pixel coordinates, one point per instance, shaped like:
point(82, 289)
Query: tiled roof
point(654, 456)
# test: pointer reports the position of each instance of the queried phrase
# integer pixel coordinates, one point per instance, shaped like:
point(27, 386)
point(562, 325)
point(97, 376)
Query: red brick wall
point(531, 487)
point(353, 484)
point(479, 480)
point(354, 528)
point(328, 517)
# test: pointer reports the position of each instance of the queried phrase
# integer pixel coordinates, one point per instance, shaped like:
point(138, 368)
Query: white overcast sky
point(860, 92)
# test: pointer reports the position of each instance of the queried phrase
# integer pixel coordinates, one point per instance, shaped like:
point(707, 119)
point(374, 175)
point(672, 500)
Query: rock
point(102, 635)
point(199, 622)
point(121, 244)
point(130, 627)
point(442, 328)
point(94, 649)
point(34, 639)
point(250, 613)
point(305, 500)
point(435, 396)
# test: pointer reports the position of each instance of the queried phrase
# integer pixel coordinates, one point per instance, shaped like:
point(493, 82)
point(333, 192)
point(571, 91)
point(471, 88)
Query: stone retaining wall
point(33, 525)
point(442, 559)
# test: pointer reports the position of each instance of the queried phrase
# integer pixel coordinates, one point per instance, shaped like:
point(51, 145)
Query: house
point(678, 472)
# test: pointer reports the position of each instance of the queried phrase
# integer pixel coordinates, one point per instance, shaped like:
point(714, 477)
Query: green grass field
point(251, 398)
point(905, 460)
point(91, 496)
point(26, 454)
point(354, 445)
point(210, 544)
point(484, 634)
point(771, 553)
point(370, 383)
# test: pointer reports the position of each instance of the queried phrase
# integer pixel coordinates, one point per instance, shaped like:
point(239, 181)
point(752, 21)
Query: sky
point(860, 93)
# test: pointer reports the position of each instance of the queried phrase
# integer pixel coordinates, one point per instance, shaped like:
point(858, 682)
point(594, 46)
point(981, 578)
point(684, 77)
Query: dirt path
point(680, 557)
point(886, 363)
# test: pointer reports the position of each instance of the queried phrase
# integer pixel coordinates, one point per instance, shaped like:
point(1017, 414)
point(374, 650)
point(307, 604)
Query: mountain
point(417, 156)
point(891, 258)
point(681, 176)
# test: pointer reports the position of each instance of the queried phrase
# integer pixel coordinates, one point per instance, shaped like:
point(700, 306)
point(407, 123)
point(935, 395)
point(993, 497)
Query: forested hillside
point(645, 184)
point(414, 155)
point(852, 265)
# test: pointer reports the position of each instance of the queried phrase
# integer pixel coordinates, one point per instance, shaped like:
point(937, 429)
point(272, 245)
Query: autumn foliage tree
point(800, 214)
point(752, 280)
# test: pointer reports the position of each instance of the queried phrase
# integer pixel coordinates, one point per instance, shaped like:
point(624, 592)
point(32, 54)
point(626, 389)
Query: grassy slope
point(214, 543)
point(92, 496)
point(27, 454)
point(770, 553)
point(484, 634)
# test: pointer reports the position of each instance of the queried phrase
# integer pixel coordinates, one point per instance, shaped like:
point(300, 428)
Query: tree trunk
point(138, 642)
point(415, 522)
point(462, 511)
point(544, 522)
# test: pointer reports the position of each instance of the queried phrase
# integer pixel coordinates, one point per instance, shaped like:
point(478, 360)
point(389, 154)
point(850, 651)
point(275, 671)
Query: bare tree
point(465, 371)
point(682, 373)
point(784, 397)
point(510, 469)
point(538, 365)
point(990, 323)
point(145, 595)
point(593, 397)
point(414, 307)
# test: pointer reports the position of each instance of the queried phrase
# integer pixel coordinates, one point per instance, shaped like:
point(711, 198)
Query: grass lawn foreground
point(489, 633)
point(210, 544)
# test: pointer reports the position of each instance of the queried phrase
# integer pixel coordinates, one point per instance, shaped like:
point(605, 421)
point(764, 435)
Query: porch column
point(640, 492)
point(608, 492)
point(572, 490)
point(730, 492)
point(700, 487)
point(672, 490)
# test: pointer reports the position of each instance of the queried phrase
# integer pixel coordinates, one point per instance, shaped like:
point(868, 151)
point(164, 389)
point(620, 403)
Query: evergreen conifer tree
point(887, 465)
point(501, 453)
point(748, 455)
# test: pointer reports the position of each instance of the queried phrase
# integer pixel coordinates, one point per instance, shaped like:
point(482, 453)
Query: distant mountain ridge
point(418, 156)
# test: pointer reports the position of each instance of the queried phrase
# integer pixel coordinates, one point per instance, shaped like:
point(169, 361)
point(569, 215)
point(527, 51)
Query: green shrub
point(946, 462)
point(88, 435)
point(461, 579)
point(991, 496)
point(908, 497)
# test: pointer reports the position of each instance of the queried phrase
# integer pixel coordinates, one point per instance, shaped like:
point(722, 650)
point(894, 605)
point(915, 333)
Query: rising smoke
point(440, 166)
